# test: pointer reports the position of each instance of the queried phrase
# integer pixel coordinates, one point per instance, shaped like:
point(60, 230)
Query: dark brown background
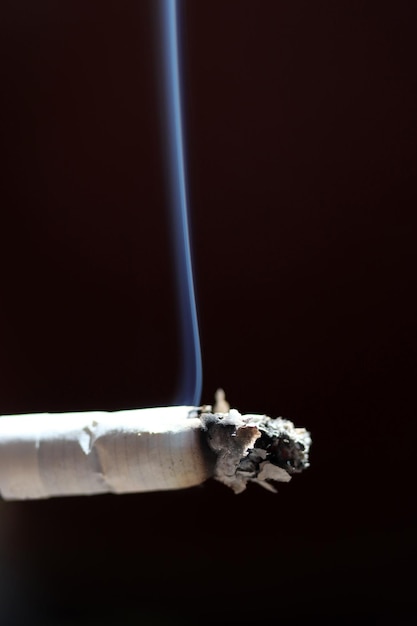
point(301, 140)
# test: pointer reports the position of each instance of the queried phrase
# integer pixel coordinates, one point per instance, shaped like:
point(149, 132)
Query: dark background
point(301, 142)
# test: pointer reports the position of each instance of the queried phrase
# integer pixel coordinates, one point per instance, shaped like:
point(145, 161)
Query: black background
point(301, 142)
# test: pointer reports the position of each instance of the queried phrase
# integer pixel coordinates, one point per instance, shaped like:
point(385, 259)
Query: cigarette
point(140, 450)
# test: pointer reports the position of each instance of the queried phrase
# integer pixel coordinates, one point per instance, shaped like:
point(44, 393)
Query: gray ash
point(255, 448)
point(283, 451)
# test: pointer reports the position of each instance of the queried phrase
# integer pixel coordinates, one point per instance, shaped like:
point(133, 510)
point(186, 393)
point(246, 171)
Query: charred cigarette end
point(255, 448)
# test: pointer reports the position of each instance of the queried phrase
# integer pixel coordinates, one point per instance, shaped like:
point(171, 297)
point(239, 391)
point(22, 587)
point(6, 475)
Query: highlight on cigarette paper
point(138, 450)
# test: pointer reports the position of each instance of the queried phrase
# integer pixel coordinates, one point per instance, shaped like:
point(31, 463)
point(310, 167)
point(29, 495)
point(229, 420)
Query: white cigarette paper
point(44, 455)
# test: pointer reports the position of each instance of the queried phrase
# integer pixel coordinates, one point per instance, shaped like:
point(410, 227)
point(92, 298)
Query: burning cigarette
point(45, 455)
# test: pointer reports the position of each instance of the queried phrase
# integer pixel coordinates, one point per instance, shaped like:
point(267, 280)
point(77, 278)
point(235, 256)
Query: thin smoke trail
point(191, 377)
